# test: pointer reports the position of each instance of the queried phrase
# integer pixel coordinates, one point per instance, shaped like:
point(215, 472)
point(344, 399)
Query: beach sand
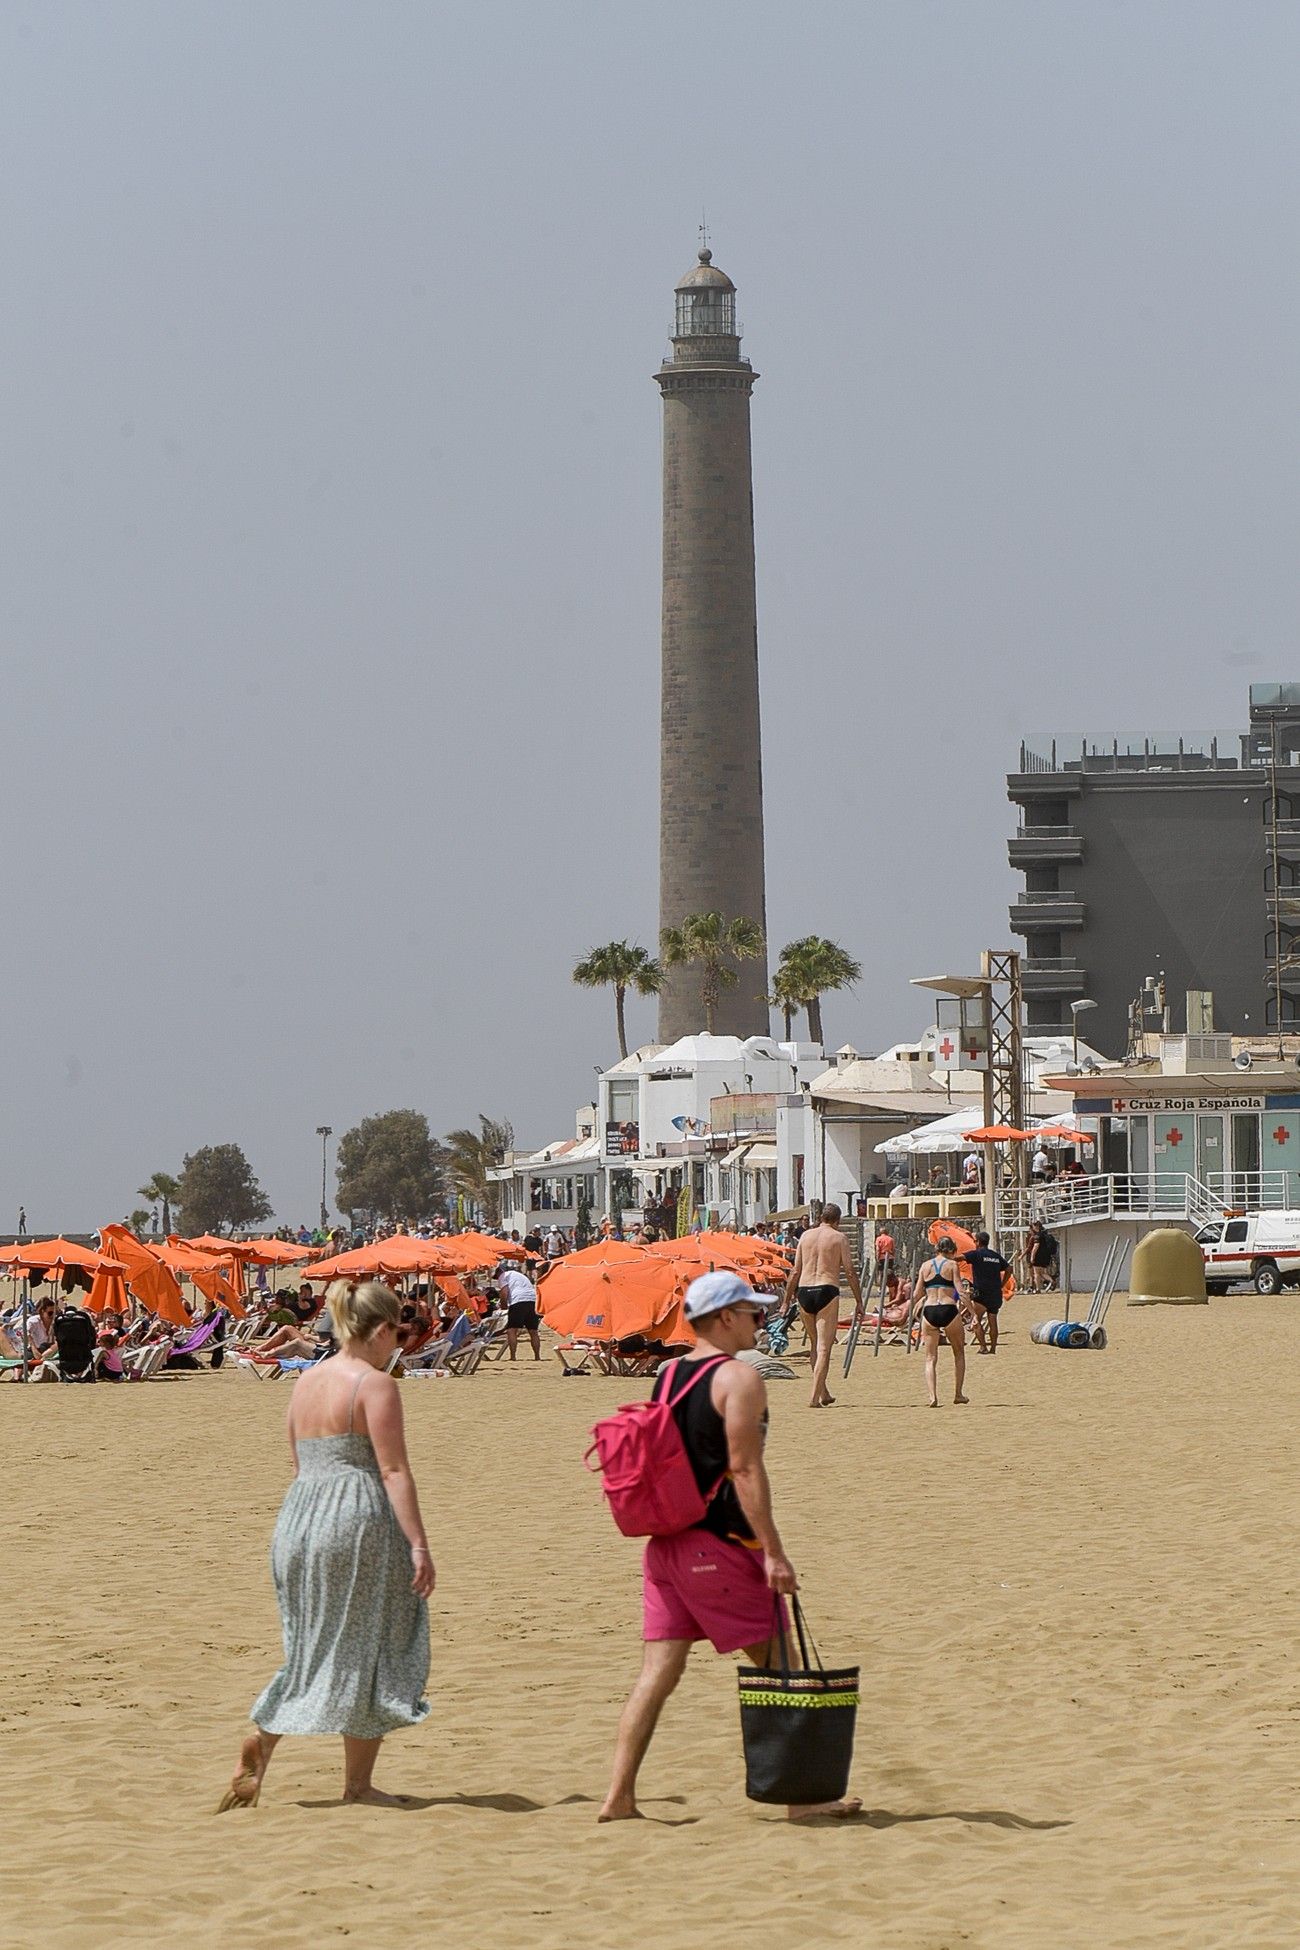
point(1075, 1603)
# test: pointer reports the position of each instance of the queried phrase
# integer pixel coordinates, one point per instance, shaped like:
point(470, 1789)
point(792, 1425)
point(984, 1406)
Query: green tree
point(470, 1154)
point(138, 1221)
point(713, 945)
point(162, 1191)
point(619, 965)
point(390, 1165)
point(217, 1189)
point(810, 968)
point(784, 998)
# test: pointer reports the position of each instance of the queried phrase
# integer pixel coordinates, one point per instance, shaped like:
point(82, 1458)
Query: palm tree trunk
point(815, 1018)
point(709, 989)
point(787, 1011)
point(167, 1219)
point(619, 994)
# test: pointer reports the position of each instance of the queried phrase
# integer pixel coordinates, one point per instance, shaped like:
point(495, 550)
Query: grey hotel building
point(1181, 859)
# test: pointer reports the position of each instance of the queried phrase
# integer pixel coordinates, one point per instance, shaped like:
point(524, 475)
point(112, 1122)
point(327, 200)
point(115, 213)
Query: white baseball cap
point(714, 1291)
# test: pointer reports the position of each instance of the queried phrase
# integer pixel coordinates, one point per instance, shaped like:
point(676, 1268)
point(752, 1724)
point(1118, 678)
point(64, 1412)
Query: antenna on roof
point(704, 231)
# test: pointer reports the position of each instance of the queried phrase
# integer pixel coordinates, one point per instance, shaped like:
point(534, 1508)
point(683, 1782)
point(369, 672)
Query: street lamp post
point(1076, 1010)
point(324, 1132)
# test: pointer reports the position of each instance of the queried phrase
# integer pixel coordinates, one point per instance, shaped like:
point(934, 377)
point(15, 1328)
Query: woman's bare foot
point(827, 1810)
point(619, 1811)
point(374, 1797)
point(932, 1404)
point(246, 1785)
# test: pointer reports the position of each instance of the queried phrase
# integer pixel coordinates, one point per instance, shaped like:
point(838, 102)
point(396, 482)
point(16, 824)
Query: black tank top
point(704, 1438)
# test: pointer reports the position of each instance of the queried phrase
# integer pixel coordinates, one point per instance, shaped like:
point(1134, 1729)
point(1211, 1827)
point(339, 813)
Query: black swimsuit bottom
point(813, 1298)
point(940, 1313)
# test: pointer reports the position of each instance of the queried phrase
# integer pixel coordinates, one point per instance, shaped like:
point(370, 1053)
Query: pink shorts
point(698, 1586)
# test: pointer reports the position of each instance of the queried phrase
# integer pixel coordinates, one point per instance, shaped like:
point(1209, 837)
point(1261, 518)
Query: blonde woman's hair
point(357, 1309)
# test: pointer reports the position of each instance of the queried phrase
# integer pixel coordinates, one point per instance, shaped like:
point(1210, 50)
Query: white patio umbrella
point(944, 1135)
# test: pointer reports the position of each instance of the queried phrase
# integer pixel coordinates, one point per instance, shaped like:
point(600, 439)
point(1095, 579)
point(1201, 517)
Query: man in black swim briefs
point(822, 1262)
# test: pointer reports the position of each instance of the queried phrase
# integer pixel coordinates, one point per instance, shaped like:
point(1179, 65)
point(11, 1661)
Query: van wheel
point(1267, 1278)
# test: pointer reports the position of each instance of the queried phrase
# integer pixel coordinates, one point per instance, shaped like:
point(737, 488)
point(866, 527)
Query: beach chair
point(143, 1363)
point(585, 1352)
point(435, 1355)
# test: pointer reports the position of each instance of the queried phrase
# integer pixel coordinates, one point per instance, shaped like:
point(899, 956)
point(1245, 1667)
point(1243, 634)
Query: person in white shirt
point(520, 1296)
point(1038, 1166)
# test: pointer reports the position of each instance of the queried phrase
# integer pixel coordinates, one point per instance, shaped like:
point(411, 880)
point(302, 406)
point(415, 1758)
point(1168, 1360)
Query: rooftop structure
point(1176, 857)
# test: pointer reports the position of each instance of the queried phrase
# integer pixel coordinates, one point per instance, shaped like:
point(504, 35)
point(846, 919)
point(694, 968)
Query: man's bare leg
point(512, 1340)
point(761, 1656)
point(957, 1342)
point(663, 1665)
point(978, 1318)
point(820, 1329)
point(536, 1340)
point(993, 1333)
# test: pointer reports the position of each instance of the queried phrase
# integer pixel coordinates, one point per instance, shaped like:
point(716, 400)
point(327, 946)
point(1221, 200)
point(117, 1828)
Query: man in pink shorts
point(721, 1579)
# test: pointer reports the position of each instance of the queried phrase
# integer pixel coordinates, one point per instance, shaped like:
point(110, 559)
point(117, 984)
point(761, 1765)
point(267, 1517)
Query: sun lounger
point(143, 1363)
point(435, 1355)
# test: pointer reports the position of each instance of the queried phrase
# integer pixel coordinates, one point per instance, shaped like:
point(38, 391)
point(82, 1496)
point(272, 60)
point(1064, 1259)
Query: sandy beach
point(1075, 1603)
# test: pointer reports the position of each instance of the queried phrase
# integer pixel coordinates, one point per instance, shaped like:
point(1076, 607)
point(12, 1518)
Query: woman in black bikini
point(936, 1289)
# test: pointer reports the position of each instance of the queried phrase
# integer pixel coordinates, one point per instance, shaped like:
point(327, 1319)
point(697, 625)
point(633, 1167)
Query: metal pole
point(324, 1132)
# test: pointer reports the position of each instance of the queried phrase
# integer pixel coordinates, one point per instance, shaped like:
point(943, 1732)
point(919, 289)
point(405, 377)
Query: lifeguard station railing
point(1142, 1195)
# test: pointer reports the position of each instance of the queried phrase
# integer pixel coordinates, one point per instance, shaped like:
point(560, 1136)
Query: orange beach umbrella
point(610, 1302)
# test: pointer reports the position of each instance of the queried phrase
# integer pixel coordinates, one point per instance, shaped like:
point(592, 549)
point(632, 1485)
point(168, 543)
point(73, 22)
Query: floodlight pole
point(324, 1132)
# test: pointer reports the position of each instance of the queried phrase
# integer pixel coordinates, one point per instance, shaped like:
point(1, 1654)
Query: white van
point(1263, 1247)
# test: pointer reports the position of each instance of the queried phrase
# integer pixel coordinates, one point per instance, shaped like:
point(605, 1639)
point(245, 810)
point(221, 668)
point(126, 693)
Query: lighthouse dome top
point(705, 275)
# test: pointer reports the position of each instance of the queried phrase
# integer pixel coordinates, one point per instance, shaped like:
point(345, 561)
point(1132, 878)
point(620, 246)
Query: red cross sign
point(1175, 1136)
point(947, 1048)
point(1281, 1134)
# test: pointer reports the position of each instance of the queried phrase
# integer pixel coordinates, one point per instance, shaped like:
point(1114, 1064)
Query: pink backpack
point(646, 1473)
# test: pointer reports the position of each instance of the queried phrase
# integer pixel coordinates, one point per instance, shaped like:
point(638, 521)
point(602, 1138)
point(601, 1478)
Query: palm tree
point(620, 965)
point(470, 1153)
point(809, 968)
point(785, 998)
point(713, 944)
point(161, 1190)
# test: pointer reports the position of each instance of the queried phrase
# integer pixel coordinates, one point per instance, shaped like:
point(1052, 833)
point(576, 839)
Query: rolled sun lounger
point(1066, 1333)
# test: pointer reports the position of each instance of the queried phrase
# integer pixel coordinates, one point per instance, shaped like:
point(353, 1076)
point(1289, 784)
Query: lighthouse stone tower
point(711, 771)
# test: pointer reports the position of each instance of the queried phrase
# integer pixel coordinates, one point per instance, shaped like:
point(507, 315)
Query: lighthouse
point(711, 768)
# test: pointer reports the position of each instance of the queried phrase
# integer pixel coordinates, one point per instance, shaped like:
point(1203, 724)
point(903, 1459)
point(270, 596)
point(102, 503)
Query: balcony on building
point(1033, 909)
point(1288, 838)
point(1035, 845)
point(1045, 975)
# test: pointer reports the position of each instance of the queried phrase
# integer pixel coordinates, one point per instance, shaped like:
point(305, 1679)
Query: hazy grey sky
point(331, 525)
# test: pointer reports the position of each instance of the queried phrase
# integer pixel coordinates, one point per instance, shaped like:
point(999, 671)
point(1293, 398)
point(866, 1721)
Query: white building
point(550, 1186)
point(699, 1118)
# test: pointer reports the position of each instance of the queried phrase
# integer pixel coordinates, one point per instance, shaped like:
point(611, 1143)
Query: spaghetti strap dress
point(356, 1637)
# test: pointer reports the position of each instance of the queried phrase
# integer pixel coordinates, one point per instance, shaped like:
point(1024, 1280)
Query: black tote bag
point(797, 1726)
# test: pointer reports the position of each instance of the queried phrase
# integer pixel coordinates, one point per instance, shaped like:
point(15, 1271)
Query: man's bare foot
point(963, 1399)
point(374, 1797)
point(620, 1811)
point(827, 1810)
point(246, 1785)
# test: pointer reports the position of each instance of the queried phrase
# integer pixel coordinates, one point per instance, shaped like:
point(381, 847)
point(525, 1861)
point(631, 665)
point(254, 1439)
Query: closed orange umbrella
point(998, 1134)
point(610, 1302)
